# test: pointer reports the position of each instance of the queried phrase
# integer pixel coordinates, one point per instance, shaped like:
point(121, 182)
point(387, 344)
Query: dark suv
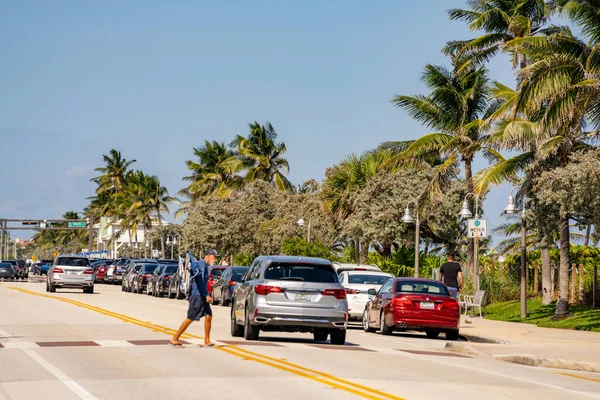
point(20, 268)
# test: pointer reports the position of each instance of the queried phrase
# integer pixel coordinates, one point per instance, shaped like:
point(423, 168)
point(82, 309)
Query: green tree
point(114, 173)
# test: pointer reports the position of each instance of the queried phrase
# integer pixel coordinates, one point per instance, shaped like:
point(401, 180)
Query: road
point(113, 345)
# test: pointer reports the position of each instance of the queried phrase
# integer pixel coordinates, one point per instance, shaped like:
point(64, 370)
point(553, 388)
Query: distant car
point(7, 271)
point(46, 264)
point(100, 267)
point(290, 294)
point(339, 267)
point(139, 282)
point(214, 273)
point(152, 280)
point(357, 284)
point(70, 271)
point(161, 282)
point(19, 267)
point(131, 272)
point(24, 270)
point(222, 290)
point(115, 271)
point(36, 268)
point(413, 304)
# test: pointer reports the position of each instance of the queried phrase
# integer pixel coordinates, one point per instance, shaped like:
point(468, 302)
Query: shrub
point(299, 247)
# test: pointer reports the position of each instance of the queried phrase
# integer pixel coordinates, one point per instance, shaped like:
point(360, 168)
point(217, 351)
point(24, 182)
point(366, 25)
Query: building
point(111, 237)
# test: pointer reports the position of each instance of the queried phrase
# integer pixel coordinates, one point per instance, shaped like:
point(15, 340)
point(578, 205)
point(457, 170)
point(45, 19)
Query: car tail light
point(360, 269)
point(232, 283)
point(145, 276)
point(58, 271)
point(337, 293)
point(166, 278)
point(266, 289)
point(352, 291)
point(402, 302)
point(88, 272)
point(451, 305)
point(102, 269)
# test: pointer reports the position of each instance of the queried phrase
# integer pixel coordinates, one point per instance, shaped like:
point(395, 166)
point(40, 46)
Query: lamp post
point(146, 249)
point(172, 240)
point(512, 209)
point(466, 213)
point(408, 219)
point(301, 222)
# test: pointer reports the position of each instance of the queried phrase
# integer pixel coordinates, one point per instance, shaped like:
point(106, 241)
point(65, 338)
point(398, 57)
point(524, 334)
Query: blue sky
point(154, 79)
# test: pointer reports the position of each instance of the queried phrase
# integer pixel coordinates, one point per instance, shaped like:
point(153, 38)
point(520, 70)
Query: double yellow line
point(283, 365)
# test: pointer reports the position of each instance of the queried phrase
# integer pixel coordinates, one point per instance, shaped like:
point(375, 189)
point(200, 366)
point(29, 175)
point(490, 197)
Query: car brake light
point(352, 291)
point(88, 272)
point(360, 269)
point(337, 293)
point(232, 283)
point(102, 269)
point(266, 289)
point(165, 277)
point(402, 302)
point(58, 271)
point(451, 305)
point(145, 276)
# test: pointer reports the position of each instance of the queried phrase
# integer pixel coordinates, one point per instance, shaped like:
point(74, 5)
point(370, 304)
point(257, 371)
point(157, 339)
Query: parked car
point(161, 283)
point(140, 280)
point(152, 280)
point(222, 290)
point(339, 267)
point(7, 271)
point(357, 284)
point(46, 264)
point(116, 270)
point(36, 268)
point(100, 267)
point(174, 291)
point(70, 271)
point(214, 273)
point(412, 304)
point(18, 268)
point(131, 272)
point(290, 294)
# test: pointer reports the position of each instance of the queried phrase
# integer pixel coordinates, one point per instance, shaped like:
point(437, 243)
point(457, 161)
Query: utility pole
point(91, 234)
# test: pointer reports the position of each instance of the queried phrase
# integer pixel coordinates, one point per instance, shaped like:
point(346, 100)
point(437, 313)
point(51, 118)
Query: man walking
point(451, 275)
point(199, 299)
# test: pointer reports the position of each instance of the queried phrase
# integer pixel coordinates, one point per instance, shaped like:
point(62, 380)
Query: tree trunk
point(426, 249)
point(162, 237)
point(527, 281)
point(562, 306)
point(357, 251)
point(536, 279)
point(386, 248)
point(547, 285)
point(471, 200)
point(580, 291)
point(364, 252)
point(573, 294)
point(588, 232)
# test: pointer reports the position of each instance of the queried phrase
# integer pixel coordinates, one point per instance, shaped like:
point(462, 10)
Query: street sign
point(33, 258)
point(42, 225)
point(55, 254)
point(77, 224)
point(477, 228)
point(154, 253)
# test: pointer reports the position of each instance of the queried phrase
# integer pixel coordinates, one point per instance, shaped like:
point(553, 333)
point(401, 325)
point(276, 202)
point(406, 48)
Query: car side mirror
point(372, 292)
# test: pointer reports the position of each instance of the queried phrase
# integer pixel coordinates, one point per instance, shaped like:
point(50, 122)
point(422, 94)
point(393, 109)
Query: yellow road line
point(318, 376)
point(578, 376)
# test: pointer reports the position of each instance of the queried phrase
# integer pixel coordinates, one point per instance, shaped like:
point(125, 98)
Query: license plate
point(426, 306)
point(305, 296)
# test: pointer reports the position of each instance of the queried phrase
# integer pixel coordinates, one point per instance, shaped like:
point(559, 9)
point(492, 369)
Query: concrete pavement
point(111, 345)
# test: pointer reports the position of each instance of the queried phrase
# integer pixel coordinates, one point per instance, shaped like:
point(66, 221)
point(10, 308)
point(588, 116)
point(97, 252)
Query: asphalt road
point(113, 345)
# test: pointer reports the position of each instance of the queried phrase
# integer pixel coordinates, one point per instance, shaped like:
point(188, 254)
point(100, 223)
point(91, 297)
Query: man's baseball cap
point(212, 252)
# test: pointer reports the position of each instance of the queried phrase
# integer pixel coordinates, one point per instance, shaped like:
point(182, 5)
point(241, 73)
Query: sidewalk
point(532, 345)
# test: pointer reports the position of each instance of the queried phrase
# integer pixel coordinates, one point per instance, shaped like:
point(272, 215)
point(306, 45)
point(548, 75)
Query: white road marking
point(61, 376)
point(20, 345)
point(114, 343)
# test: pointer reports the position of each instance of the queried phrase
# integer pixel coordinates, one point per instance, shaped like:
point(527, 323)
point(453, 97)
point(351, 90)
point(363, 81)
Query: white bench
point(473, 302)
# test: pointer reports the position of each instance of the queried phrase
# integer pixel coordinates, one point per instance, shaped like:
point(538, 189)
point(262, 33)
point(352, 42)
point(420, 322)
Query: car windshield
point(170, 270)
point(421, 287)
point(73, 262)
point(237, 274)
point(367, 279)
point(216, 273)
point(301, 272)
point(149, 267)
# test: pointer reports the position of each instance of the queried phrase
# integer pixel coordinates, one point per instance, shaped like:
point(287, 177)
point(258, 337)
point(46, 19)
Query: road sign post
point(476, 228)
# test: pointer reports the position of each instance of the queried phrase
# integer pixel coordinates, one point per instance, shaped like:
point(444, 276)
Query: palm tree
point(502, 21)
point(114, 173)
point(159, 199)
point(214, 173)
point(262, 156)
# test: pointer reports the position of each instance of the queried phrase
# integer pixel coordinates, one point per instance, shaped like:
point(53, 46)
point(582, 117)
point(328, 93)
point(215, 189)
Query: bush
point(243, 259)
point(498, 289)
point(300, 247)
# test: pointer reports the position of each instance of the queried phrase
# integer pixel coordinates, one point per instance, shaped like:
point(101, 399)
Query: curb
point(482, 339)
point(465, 349)
point(533, 361)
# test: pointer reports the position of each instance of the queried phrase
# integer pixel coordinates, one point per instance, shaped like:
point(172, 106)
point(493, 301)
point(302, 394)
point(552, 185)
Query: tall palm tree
point(114, 173)
point(159, 199)
point(262, 156)
point(501, 21)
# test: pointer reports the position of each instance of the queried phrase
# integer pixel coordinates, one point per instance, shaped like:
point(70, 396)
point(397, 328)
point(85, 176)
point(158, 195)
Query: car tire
point(237, 330)
point(148, 292)
point(51, 288)
point(384, 329)
point(432, 334)
point(338, 337)
point(159, 293)
point(215, 302)
point(452, 335)
point(47, 287)
point(180, 296)
point(320, 336)
point(251, 332)
point(171, 294)
point(88, 290)
point(365, 323)
point(122, 288)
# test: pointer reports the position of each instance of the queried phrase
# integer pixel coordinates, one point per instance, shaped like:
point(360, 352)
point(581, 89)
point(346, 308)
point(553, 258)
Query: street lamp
point(172, 240)
point(466, 213)
point(301, 222)
point(511, 208)
point(408, 219)
point(146, 249)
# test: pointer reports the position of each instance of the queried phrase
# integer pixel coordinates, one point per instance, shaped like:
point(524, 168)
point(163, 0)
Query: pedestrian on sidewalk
point(199, 301)
point(451, 275)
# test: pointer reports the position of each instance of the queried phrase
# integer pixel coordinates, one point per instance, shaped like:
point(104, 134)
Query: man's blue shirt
point(200, 278)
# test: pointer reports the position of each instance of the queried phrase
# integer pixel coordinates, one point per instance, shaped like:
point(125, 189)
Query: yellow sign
point(55, 254)
point(33, 258)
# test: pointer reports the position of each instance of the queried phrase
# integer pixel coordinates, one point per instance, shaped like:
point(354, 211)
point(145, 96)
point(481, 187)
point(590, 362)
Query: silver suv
point(290, 294)
point(68, 271)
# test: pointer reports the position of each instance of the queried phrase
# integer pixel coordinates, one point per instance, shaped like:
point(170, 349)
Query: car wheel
point(149, 292)
point(88, 290)
point(383, 328)
point(237, 330)
point(171, 294)
point(47, 287)
point(51, 288)
point(452, 335)
point(432, 334)
point(251, 332)
point(159, 292)
point(180, 295)
point(122, 288)
point(365, 322)
point(320, 336)
point(215, 301)
point(338, 337)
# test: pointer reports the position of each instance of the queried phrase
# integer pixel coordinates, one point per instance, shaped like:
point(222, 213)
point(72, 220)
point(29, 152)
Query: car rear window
point(217, 272)
point(367, 279)
point(149, 267)
point(73, 262)
point(301, 272)
point(170, 270)
point(5, 265)
point(421, 287)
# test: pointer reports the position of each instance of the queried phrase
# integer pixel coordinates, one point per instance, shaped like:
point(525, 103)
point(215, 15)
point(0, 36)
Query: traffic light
point(30, 223)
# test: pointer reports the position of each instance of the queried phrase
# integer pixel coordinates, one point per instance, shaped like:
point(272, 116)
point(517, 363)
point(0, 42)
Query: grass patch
point(580, 318)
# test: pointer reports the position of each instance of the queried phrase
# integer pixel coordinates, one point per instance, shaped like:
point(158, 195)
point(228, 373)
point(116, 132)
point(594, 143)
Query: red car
point(413, 304)
point(214, 273)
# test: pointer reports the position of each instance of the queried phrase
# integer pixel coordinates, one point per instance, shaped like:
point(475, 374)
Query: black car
point(19, 267)
point(7, 271)
point(161, 281)
point(140, 281)
point(222, 289)
point(152, 280)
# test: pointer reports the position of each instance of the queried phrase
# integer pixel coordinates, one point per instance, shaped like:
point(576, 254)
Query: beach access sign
point(477, 228)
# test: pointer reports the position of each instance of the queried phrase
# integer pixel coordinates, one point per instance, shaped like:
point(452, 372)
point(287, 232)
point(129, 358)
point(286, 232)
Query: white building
point(111, 237)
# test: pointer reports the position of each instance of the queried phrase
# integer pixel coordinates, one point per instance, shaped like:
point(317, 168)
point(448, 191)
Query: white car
point(72, 272)
point(357, 284)
point(339, 267)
